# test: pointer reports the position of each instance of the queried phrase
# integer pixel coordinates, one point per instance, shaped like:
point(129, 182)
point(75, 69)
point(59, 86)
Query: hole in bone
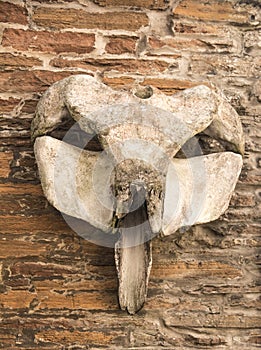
point(138, 213)
point(71, 133)
point(136, 179)
point(144, 92)
point(202, 144)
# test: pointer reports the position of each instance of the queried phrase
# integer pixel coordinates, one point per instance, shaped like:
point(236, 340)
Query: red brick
point(197, 27)
point(79, 300)
point(16, 299)
point(149, 4)
point(118, 82)
point(29, 81)
point(176, 44)
point(23, 204)
point(72, 18)
point(86, 284)
point(67, 337)
point(121, 44)
point(29, 106)
point(170, 87)
point(12, 248)
point(5, 162)
point(51, 223)
point(181, 269)
point(21, 189)
point(48, 41)
point(119, 65)
point(213, 10)
point(8, 105)
point(9, 60)
point(41, 269)
point(12, 13)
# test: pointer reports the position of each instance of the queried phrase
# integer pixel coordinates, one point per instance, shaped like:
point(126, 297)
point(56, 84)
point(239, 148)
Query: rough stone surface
point(204, 289)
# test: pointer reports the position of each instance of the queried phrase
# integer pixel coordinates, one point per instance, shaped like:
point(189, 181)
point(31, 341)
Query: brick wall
point(58, 291)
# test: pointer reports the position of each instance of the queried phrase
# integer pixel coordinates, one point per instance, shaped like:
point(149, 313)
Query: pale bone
point(66, 174)
point(133, 257)
point(198, 190)
point(82, 96)
point(164, 121)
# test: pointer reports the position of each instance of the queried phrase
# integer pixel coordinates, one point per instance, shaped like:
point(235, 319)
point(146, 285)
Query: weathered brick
point(200, 28)
point(170, 45)
point(108, 282)
point(29, 105)
point(215, 10)
point(8, 105)
point(121, 44)
point(254, 339)
point(16, 299)
point(240, 321)
point(8, 60)
point(225, 65)
point(14, 127)
point(12, 248)
point(24, 166)
point(23, 204)
point(119, 65)
point(51, 223)
point(47, 41)
point(41, 269)
point(67, 337)
point(12, 13)
point(18, 283)
point(54, 1)
point(223, 289)
point(21, 189)
point(118, 82)
point(242, 214)
point(149, 4)
point(72, 18)
point(7, 339)
point(29, 81)
point(77, 300)
point(171, 86)
point(196, 269)
point(204, 281)
point(5, 162)
point(243, 199)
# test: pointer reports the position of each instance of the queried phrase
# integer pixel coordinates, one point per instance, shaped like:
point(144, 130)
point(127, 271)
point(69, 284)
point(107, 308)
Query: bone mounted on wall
point(134, 185)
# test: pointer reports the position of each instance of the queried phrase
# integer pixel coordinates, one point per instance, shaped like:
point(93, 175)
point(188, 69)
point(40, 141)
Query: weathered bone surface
point(66, 174)
point(82, 97)
point(198, 190)
point(140, 134)
point(133, 256)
